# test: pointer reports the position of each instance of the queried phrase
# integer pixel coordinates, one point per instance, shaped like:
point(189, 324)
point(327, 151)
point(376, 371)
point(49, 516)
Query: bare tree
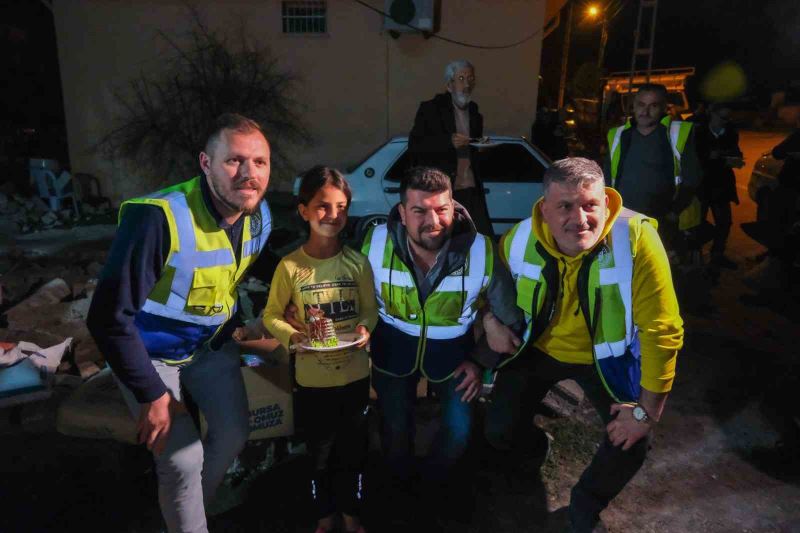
point(165, 117)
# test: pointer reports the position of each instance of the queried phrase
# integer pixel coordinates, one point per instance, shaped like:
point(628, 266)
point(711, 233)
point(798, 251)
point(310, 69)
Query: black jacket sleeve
point(789, 144)
point(132, 268)
point(428, 136)
point(502, 298)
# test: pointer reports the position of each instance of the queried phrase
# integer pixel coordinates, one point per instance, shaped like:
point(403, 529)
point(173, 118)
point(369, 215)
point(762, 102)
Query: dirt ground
point(714, 465)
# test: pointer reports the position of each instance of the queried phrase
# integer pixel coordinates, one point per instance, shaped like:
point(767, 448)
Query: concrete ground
point(714, 464)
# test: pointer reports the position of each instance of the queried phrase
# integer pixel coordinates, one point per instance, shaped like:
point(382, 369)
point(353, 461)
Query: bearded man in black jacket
point(441, 136)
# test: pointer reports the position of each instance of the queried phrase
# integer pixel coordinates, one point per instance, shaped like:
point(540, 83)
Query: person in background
point(782, 224)
point(329, 280)
point(700, 113)
point(652, 162)
point(548, 134)
point(443, 129)
point(719, 153)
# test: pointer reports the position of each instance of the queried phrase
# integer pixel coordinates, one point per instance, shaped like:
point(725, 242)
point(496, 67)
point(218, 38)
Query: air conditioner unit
point(408, 16)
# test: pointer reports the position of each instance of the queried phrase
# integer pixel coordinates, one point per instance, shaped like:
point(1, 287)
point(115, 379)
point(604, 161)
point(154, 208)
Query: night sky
point(762, 36)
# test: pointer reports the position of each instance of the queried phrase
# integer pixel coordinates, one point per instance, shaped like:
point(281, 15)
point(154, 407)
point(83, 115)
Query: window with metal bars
point(304, 17)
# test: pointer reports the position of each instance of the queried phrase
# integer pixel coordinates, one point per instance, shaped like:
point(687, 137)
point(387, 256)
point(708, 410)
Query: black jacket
point(400, 354)
point(789, 175)
point(430, 140)
point(719, 181)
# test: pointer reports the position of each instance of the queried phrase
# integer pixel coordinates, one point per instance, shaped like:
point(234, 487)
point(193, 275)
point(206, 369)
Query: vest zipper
point(422, 340)
point(391, 267)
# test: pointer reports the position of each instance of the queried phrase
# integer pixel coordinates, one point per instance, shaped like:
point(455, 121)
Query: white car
point(511, 170)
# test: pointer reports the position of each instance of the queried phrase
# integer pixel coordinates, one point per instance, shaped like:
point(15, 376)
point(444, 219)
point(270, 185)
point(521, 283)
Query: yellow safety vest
point(605, 295)
point(678, 133)
point(448, 312)
point(196, 292)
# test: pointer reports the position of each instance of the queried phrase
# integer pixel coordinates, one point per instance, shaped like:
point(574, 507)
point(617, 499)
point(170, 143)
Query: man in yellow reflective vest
point(433, 274)
point(594, 283)
point(167, 290)
point(653, 163)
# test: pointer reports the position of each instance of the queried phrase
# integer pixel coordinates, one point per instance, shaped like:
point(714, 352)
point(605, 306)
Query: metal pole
point(636, 35)
point(603, 41)
point(562, 87)
point(652, 40)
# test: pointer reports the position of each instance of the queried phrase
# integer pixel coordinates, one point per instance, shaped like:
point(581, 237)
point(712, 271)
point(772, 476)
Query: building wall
point(361, 86)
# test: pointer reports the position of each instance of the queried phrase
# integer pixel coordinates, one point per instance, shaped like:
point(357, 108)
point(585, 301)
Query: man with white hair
point(441, 135)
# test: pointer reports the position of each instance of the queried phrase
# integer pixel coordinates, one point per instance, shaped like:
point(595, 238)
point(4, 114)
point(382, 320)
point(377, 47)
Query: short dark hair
point(716, 107)
point(233, 122)
point(572, 172)
point(318, 177)
point(426, 179)
point(653, 88)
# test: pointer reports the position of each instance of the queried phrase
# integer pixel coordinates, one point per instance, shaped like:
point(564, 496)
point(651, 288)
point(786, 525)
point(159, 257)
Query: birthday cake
point(321, 332)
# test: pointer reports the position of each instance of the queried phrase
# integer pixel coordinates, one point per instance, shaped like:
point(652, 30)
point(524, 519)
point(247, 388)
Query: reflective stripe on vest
point(523, 271)
point(468, 285)
point(677, 132)
point(614, 279)
point(619, 274)
point(186, 259)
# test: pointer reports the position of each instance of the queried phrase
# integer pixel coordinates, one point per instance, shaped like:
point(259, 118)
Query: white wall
point(361, 86)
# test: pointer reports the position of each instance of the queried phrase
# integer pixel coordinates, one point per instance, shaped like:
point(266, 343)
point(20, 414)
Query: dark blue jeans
point(520, 386)
point(396, 399)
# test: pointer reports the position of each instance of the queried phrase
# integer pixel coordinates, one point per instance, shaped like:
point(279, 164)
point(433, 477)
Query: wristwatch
point(640, 415)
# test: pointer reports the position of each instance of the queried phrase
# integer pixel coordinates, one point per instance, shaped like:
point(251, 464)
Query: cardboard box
point(269, 393)
point(96, 410)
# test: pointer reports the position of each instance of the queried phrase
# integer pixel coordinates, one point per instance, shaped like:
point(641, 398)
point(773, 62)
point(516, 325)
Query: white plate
point(346, 340)
point(483, 145)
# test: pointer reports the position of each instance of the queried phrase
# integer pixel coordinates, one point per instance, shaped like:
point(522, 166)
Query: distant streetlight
point(593, 11)
point(562, 86)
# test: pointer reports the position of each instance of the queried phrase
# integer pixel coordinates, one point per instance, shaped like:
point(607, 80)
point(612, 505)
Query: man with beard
point(441, 135)
point(167, 290)
point(653, 164)
point(594, 283)
point(433, 272)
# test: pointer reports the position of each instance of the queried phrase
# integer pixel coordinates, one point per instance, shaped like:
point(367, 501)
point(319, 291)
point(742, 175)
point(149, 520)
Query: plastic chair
point(54, 189)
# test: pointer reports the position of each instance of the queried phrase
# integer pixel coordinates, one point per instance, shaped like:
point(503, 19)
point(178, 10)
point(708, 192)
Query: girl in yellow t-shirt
point(332, 393)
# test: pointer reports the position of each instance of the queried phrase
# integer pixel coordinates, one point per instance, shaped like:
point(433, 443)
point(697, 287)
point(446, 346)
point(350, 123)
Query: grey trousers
point(190, 469)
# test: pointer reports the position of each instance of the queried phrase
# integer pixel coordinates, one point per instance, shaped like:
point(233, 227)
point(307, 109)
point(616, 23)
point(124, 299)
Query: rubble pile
point(19, 214)
point(46, 301)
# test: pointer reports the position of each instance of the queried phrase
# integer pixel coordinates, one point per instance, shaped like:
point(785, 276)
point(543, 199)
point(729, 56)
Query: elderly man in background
point(441, 135)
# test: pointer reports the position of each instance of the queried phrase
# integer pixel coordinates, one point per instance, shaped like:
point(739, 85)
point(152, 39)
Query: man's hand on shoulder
point(155, 421)
point(471, 384)
point(500, 337)
point(625, 430)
